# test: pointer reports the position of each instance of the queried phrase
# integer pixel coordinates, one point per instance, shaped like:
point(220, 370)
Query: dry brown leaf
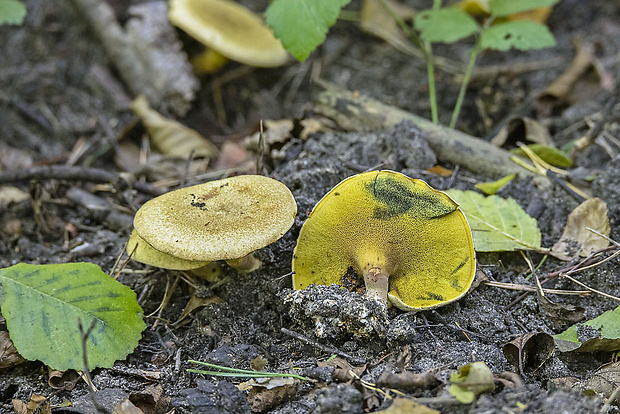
point(407, 380)
point(196, 303)
point(377, 21)
point(9, 357)
point(35, 402)
point(562, 315)
point(403, 405)
point(60, 380)
point(577, 239)
point(441, 171)
point(522, 129)
point(269, 392)
point(529, 351)
point(152, 400)
point(604, 381)
point(341, 369)
point(580, 82)
point(169, 136)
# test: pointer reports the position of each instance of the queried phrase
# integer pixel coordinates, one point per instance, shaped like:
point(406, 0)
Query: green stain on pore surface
point(398, 199)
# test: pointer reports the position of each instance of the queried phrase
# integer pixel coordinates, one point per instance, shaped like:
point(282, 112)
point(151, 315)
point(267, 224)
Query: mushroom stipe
point(410, 243)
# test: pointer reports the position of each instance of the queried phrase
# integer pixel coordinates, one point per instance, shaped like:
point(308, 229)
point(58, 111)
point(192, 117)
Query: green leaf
point(599, 334)
point(42, 305)
point(446, 25)
point(493, 187)
point(497, 224)
point(548, 154)
point(301, 25)
point(501, 8)
point(471, 380)
point(518, 34)
point(12, 12)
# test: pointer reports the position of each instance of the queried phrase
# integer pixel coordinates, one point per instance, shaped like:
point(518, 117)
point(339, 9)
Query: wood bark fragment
point(354, 112)
point(146, 52)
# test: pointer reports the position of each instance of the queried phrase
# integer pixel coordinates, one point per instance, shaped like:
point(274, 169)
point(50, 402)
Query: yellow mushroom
point(410, 243)
point(139, 250)
point(219, 220)
point(229, 29)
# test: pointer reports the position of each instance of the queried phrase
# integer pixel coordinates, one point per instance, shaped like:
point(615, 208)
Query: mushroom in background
point(228, 30)
point(409, 243)
point(219, 220)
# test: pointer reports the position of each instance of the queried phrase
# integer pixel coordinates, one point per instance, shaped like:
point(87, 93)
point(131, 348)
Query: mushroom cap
point(415, 233)
point(143, 252)
point(218, 220)
point(230, 29)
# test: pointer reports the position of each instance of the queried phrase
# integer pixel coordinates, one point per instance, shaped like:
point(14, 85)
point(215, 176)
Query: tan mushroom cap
point(230, 29)
point(143, 252)
point(218, 220)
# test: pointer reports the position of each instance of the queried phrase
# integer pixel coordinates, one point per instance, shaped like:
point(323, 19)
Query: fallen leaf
point(152, 400)
point(603, 381)
point(342, 369)
point(441, 171)
point(269, 392)
point(377, 21)
point(196, 303)
point(577, 240)
point(407, 380)
point(599, 334)
point(471, 380)
point(402, 405)
point(259, 363)
point(561, 314)
point(9, 357)
point(548, 154)
point(529, 351)
point(60, 380)
point(497, 224)
point(169, 136)
point(522, 129)
point(493, 187)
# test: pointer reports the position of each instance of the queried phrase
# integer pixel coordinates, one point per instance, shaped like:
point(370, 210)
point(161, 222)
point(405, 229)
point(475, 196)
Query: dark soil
point(53, 98)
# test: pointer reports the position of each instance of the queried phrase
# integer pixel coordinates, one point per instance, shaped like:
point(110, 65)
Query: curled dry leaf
point(407, 380)
point(561, 314)
point(522, 129)
point(342, 369)
point(529, 351)
point(9, 357)
point(377, 21)
point(604, 381)
point(269, 392)
point(196, 303)
point(169, 136)
point(577, 240)
point(471, 380)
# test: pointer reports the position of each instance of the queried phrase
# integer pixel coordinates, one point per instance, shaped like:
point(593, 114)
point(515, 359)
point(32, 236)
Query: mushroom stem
point(246, 264)
point(377, 283)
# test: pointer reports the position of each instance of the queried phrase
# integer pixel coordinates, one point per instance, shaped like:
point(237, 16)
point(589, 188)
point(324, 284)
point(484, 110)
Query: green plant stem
point(459, 101)
point(237, 372)
point(430, 70)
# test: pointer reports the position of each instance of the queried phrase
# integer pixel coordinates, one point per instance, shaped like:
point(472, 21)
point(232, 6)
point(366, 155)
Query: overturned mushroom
point(411, 244)
point(228, 29)
point(219, 220)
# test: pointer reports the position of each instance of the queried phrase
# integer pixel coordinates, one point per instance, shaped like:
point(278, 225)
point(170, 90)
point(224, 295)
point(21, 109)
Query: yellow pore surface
point(385, 219)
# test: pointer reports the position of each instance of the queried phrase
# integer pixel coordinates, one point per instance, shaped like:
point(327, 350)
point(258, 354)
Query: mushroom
point(219, 220)
point(228, 29)
point(410, 243)
point(141, 251)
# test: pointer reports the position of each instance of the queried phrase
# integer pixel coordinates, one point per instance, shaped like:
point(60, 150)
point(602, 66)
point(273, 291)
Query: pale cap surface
point(218, 220)
point(230, 29)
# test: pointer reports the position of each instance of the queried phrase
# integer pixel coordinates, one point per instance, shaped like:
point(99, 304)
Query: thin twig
point(84, 337)
point(589, 288)
point(325, 348)
point(76, 173)
point(526, 288)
